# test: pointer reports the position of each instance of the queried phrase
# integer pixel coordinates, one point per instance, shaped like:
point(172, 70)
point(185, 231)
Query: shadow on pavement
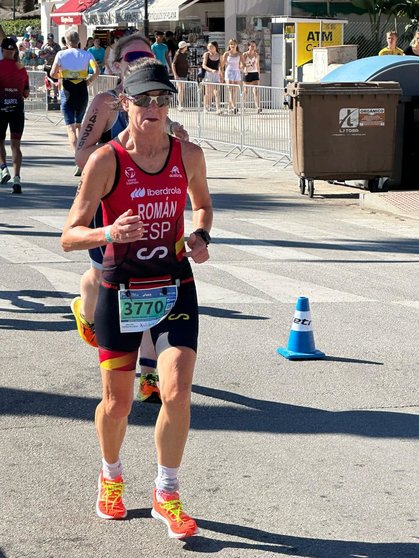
point(400, 246)
point(227, 313)
point(247, 414)
point(22, 304)
point(294, 546)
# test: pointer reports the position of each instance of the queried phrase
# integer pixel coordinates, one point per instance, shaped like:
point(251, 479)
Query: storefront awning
point(112, 12)
point(70, 13)
point(167, 10)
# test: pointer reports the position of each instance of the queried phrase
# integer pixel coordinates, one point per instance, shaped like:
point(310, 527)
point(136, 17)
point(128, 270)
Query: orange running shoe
point(109, 503)
point(149, 388)
point(86, 329)
point(168, 508)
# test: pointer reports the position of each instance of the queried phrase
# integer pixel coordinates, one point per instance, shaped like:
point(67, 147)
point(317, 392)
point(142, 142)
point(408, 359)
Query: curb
point(401, 203)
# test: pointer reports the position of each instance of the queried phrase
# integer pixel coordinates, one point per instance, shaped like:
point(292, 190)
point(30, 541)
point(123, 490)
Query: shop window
point(256, 29)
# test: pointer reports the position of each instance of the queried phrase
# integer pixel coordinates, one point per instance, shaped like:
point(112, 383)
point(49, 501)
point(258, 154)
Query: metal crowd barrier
point(37, 100)
point(240, 117)
point(101, 84)
point(260, 122)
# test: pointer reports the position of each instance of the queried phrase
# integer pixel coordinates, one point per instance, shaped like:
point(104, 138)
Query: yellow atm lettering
point(311, 35)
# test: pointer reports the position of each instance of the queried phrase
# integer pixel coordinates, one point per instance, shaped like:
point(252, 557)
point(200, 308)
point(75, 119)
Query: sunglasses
point(145, 100)
point(136, 54)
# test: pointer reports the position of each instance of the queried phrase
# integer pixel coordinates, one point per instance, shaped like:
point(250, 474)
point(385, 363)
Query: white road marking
point(61, 280)
point(285, 289)
point(53, 221)
point(18, 251)
point(263, 249)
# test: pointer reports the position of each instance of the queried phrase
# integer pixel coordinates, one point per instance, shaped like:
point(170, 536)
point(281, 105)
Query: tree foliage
point(18, 26)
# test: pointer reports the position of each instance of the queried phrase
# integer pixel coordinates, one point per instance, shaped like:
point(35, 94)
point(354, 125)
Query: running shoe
point(149, 388)
point(17, 188)
point(168, 508)
point(77, 171)
point(109, 503)
point(4, 175)
point(86, 329)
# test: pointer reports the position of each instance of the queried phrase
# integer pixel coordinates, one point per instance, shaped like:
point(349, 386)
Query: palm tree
point(380, 12)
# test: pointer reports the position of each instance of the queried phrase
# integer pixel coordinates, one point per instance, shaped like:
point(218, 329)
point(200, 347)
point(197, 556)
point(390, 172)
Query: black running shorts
point(179, 328)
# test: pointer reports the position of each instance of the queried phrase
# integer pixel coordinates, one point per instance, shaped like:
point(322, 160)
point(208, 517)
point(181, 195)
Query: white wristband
point(108, 236)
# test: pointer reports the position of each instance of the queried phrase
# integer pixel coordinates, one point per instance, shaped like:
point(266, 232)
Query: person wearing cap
point(72, 66)
point(180, 69)
point(47, 54)
point(104, 120)
point(143, 180)
point(14, 88)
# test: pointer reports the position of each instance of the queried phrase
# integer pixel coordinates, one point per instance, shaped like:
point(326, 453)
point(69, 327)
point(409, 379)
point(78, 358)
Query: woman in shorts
point(211, 64)
point(251, 73)
point(232, 63)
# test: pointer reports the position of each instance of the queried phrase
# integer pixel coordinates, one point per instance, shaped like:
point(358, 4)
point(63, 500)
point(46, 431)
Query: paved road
point(312, 459)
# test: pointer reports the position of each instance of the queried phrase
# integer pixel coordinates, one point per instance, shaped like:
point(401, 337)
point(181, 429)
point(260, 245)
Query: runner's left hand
point(199, 250)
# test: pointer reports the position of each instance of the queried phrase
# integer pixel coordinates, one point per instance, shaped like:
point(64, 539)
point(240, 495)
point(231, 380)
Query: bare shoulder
point(105, 155)
point(191, 151)
point(103, 100)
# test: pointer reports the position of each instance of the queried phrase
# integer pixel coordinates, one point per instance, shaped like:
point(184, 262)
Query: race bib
point(142, 309)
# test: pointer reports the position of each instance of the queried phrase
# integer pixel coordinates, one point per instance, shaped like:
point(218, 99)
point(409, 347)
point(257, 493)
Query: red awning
point(70, 12)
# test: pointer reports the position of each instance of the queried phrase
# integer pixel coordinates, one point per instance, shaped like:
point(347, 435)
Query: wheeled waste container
point(404, 70)
point(343, 131)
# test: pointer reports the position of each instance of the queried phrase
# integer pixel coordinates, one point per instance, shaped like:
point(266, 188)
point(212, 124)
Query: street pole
point(14, 9)
point(146, 18)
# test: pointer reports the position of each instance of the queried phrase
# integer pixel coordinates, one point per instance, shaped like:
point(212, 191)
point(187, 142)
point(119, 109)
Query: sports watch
point(204, 235)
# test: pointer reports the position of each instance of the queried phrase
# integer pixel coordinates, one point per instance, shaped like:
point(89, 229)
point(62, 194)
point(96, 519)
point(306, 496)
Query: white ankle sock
point(166, 479)
point(111, 470)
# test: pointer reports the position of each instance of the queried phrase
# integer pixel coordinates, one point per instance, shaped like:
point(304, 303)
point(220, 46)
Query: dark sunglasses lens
point(145, 101)
point(136, 54)
point(163, 101)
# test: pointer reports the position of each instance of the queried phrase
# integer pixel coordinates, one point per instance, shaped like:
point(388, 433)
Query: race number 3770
point(142, 309)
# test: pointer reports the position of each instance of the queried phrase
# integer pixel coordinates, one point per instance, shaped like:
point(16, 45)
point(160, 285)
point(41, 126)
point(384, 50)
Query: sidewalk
point(401, 203)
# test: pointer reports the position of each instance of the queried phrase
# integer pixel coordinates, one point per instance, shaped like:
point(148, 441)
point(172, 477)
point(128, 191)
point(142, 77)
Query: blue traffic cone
point(301, 340)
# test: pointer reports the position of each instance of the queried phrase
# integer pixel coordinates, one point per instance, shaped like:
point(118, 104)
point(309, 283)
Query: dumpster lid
point(344, 88)
point(403, 69)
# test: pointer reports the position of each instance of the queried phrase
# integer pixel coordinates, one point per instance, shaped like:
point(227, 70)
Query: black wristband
point(204, 235)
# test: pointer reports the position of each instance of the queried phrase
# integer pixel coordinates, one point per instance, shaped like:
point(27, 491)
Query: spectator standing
point(180, 68)
point(413, 48)
point(391, 48)
point(2, 36)
point(161, 51)
point(63, 44)
point(171, 43)
point(89, 43)
point(98, 53)
point(14, 88)
point(211, 62)
point(108, 62)
point(72, 66)
point(232, 62)
point(251, 72)
point(47, 54)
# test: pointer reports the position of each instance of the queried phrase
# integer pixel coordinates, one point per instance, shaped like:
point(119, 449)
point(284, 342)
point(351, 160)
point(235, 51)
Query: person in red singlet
point(143, 180)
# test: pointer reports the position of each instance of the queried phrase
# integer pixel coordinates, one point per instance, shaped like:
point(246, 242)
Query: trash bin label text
point(372, 117)
point(352, 119)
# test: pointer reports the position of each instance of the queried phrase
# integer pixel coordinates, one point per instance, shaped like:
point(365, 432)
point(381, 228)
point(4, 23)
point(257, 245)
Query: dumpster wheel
point(310, 185)
point(306, 182)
